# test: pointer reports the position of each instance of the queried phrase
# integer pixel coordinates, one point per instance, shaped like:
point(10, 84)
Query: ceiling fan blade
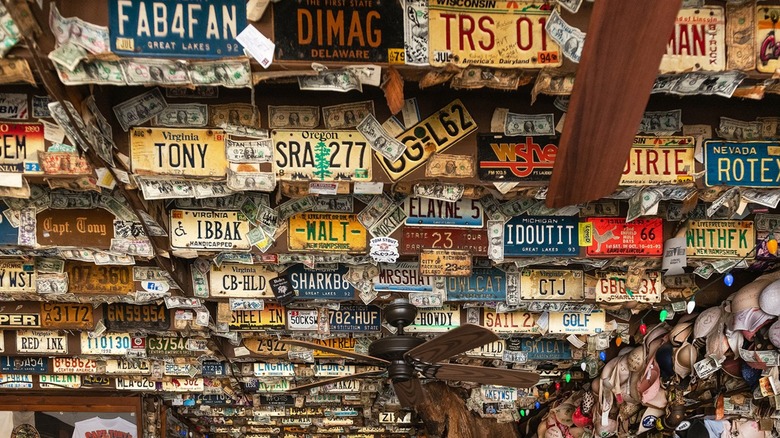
point(308, 386)
point(342, 353)
point(409, 392)
point(452, 343)
point(483, 375)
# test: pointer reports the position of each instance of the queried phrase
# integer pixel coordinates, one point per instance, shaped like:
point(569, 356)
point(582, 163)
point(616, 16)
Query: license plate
point(21, 141)
point(26, 317)
point(493, 349)
point(323, 399)
point(551, 284)
point(434, 320)
point(333, 370)
point(266, 347)
point(746, 164)
point(158, 346)
point(116, 344)
point(438, 132)
point(59, 381)
point(321, 155)
point(80, 227)
point(213, 400)
point(346, 344)
point(280, 386)
point(16, 381)
point(209, 230)
point(395, 417)
point(402, 277)
point(767, 44)
point(355, 318)
point(123, 366)
point(425, 212)
point(17, 276)
point(416, 239)
point(41, 342)
point(510, 322)
point(88, 278)
point(73, 365)
point(325, 283)
point(698, 41)
point(498, 393)
point(437, 262)
point(128, 384)
point(272, 316)
point(659, 160)
point(213, 369)
point(345, 386)
point(577, 323)
point(542, 236)
point(66, 316)
point(484, 284)
point(515, 158)
point(190, 152)
point(174, 369)
point(559, 306)
point(95, 381)
point(183, 385)
point(326, 232)
point(302, 320)
point(719, 239)
point(274, 370)
point(546, 349)
point(233, 280)
point(32, 365)
point(611, 288)
point(125, 317)
point(504, 34)
point(615, 237)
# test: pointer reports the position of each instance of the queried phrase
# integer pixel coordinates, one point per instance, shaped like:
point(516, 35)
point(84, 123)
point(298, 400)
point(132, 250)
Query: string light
point(618, 341)
point(584, 366)
point(662, 316)
point(557, 386)
point(643, 328)
point(603, 356)
point(771, 245)
point(567, 377)
point(690, 306)
point(537, 405)
point(728, 279)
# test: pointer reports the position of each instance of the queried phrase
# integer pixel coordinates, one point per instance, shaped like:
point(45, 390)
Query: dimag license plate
point(504, 34)
point(615, 237)
point(321, 155)
point(720, 239)
point(659, 160)
point(438, 132)
point(209, 230)
point(355, 318)
point(698, 41)
point(326, 232)
point(551, 284)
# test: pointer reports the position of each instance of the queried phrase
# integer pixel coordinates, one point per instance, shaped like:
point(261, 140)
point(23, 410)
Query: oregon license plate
point(209, 230)
point(551, 284)
point(321, 155)
point(326, 232)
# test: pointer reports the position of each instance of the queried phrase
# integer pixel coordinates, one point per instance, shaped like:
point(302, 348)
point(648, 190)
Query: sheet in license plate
point(326, 232)
point(551, 284)
point(108, 344)
point(321, 155)
point(697, 42)
point(436, 133)
point(272, 316)
point(504, 34)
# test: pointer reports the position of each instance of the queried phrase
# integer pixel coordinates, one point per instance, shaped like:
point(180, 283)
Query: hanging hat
point(706, 322)
point(747, 296)
point(684, 358)
point(774, 334)
point(649, 418)
point(680, 333)
point(769, 301)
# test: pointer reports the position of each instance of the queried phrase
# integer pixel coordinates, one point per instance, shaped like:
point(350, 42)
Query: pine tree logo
point(322, 161)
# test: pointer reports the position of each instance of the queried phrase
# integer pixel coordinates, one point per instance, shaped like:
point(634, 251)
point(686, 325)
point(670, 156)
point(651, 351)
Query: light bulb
point(584, 366)
point(643, 329)
point(537, 405)
point(690, 306)
point(567, 377)
point(728, 279)
point(771, 246)
point(618, 341)
point(662, 316)
point(603, 356)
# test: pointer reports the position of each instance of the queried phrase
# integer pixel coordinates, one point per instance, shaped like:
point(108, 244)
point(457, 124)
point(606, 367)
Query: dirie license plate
point(321, 155)
point(659, 160)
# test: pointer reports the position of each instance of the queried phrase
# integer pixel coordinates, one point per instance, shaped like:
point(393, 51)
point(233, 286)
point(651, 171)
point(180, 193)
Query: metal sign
point(233, 280)
point(58, 381)
point(546, 349)
point(767, 44)
point(41, 342)
point(267, 347)
point(274, 369)
point(31, 365)
point(130, 384)
point(302, 320)
point(73, 365)
point(395, 418)
point(615, 237)
point(209, 230)
point(67, 316)
point(402, 277)
point(551, 284)
point(438, 262)
point(542, 236)
point(114, 344)
point(16, 381)
point(80, 228)
point(416, 239)
point(504, 34)
point(371, 32)
point(344, 386)
point(498, 393)
point(510, 322)
point(88, 278)
point(659, 160)
point(611, 288)
point(355, 318)
point(162, 346)
point(720, 239)
point(741, 163)
point(326, 232)
point(577, 323)
point(176, 29)
point(321, 155)
point(95, 381)
point(20, 142)
point(213, 369)
point(122, 366)
point(320, 283)
point(124, 317)
point(427, 212)
point(9, 235)
point(20, 320)
point(698, 41)
point(435, 319)
point(272, 316)
point(183, 385)
point(169, 151)
point(279, 386)
point(436, 133)
point(493, 349)
point(515, 158)
point(333, 370)
point(484, 284)
point(346, 344)
point(17, 276)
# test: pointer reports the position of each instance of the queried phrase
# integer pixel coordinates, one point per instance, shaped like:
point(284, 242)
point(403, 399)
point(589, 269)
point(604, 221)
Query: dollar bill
point(732, 129)
point(164, 187)
point(770, 127)
point(379, 139)
point(211, 189)
point(493, 208)
point(251, 181)
point(47, 265)
point(331, 80)
point(258, 237)
point(236, 114)
point(568, 37)
point(517, 206)
point(495, 230)
point(767, 198)
point(643, 203)
point(706, 367)
point(83, 255)
point(474, 77)
point(66, 199)
point(133, 247)
point(91, 37)
point(204, 92)
point(244, 131)
point(68, 55)
point(661, 122)
point(293, 117)
point(52, 283)
point(415, 32)
point(183, 115)
point(571, 5)
point(450, 166)
point(228, 73)
point(333, 204)
point(379, 206)
point(740, 36)
point(293, 207)
point(529, 124)
point(425, 299)
point(61, 163)
point(27, 227)
point(601, 208)
point(117, 205)
point(388, 223)
point(60, 115)
point(143, 71)
point(140, 109)
point(438, 190)
point(22, 192)
point(107, 258)
point(249, 151)
point(92, 72)
point(700, 83)
point(346, 115)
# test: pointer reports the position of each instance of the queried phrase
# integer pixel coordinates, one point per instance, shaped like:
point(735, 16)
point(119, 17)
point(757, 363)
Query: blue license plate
point(355, 318)
point(210, 369)
point(542, 236)
point(484, 284)
point(543, 349)
point(327, 284)
point(29, 365)
point(741, 163)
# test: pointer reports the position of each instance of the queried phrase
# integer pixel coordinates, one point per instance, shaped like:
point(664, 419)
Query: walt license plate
point(521, 159)
point(746, 163)
point(542, 236)
point(659, 160)
point(426, 212)
point(551, 284)
point(321, 155)
point(209, 230)
point(73, 365)
point(438, 132)
point(66, 316)
point(272, 316)
point(698, 41)
point(41, 342)
point(32, 365)
point(614, 237)
point(186, 152)
point(484, 284)
point(402, 277)
point(115, 344)
point(577, 323)
point(320, 283)
point(88, 278)
point(355, 318)
point(504, 34)
point(720, 239)
point(510, 322)
point(17, 276)
point(611, 288)
point(326, 232)
point(235, 280)
point(124, 317)
point(435, 320)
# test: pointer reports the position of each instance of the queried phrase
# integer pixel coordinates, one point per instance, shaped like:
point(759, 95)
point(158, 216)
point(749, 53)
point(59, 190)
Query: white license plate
point(698, 41)
point(58, 381)
point(73, 365)
point(274, 370)
point(209, 230)
point(41, 342)
point(110, 344)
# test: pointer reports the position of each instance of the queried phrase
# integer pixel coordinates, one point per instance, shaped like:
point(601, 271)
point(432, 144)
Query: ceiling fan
point(406, 356)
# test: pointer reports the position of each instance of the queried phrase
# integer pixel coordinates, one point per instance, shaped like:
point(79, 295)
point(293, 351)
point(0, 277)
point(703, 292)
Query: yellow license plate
point(272, 315)
point(720, 239)
point(169, 151)
point(659, 160)
point(551, 284)
point(66, 316)
point(326, 232)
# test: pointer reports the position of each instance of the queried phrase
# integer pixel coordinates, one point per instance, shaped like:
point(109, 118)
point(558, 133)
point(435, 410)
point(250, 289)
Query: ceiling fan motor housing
point(400, 313)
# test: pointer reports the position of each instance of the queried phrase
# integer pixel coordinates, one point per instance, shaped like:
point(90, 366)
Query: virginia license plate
point(326, 232)
point(542, 236)
point(551, 284)
point(234, 280)
point(659, 160)
point(169, 151)
point(616, 237)
point(41, 342)
point(611, 288)
point(209, 230)
point(746, 163)
point(321, 155)
point(355, 318)
point(426, 212)
point(720, 239)
point(117, 344)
